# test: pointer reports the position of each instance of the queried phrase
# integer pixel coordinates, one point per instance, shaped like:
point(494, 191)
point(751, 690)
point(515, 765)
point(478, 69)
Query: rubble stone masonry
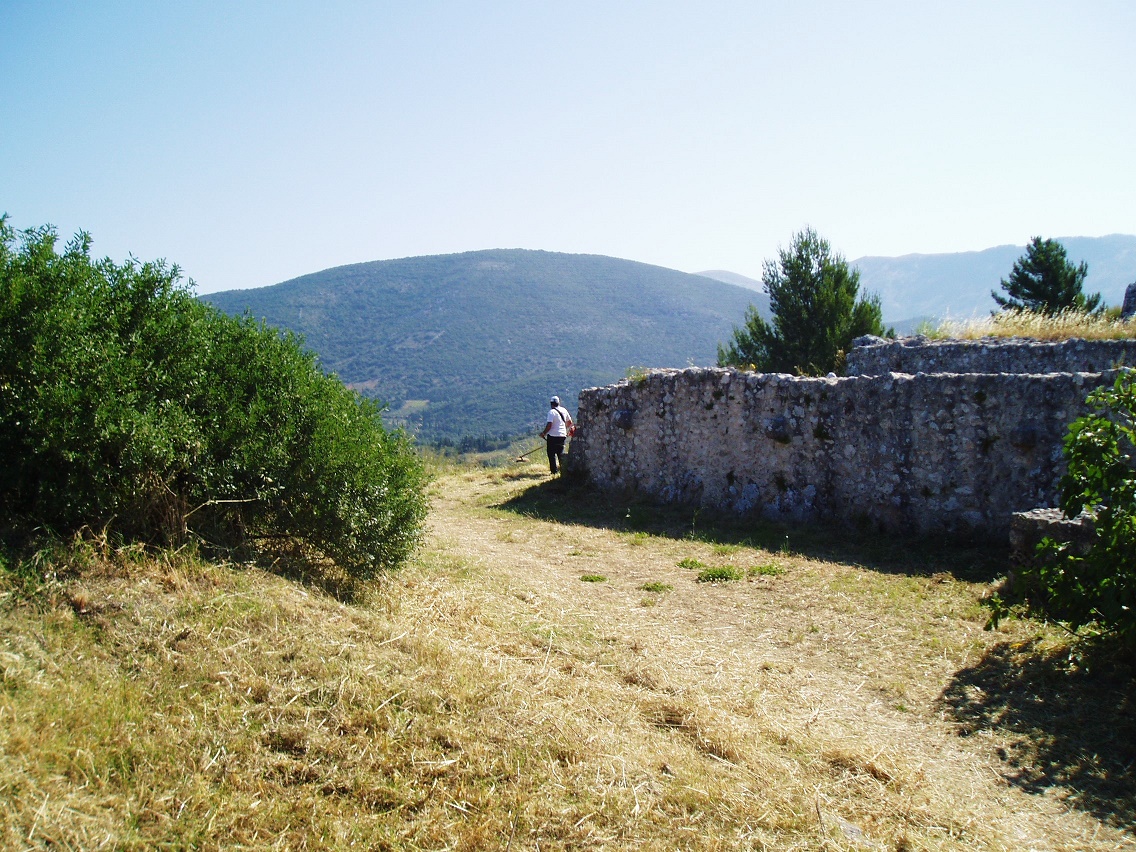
point(875, 356)
point(912, 452)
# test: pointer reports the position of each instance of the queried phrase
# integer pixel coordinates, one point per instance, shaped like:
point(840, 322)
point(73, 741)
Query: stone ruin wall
point(913, 452)
point(875, 356)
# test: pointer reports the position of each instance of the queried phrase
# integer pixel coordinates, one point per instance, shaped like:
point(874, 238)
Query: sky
point(251, 143)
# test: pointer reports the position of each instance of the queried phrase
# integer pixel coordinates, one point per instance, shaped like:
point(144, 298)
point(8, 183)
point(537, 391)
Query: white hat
point(556, 400)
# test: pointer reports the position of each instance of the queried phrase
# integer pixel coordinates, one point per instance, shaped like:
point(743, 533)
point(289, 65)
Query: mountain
point(759, 299)
point(958, 285)
point(474, 344)
point(731, 278)
point(918, 287)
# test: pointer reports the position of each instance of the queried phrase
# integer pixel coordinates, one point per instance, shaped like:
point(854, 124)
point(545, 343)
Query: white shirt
point(559, 418)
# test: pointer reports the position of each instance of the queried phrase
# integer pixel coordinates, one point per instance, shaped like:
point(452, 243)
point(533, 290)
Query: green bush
point(1095, 589)
point(125, 403)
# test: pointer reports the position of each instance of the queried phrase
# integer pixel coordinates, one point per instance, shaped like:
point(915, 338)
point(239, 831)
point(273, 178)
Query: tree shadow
point(299, 563)
point(571, 500)
point(1071, 714)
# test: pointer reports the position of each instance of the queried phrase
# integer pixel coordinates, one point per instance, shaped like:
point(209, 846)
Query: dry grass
point(1036, 326)
point(486, 698)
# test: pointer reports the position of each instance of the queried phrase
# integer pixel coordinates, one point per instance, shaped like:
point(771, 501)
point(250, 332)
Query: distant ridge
point(732, 278)
point(473, 344)
point(915, 287)
point(958, 286)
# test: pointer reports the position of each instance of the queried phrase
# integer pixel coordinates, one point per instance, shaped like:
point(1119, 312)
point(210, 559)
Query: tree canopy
point(817, 313)
point(1044, 280)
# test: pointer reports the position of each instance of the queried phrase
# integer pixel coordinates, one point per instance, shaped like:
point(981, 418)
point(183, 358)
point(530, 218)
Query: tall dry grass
point(1036, 326)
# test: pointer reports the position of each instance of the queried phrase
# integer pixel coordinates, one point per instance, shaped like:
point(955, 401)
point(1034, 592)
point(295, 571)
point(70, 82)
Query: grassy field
point(557, 670)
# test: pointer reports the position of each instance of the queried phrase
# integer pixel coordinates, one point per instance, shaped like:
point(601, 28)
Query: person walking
point(555, 433)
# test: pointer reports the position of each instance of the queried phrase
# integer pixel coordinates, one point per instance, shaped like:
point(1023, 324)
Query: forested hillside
point(473, 344)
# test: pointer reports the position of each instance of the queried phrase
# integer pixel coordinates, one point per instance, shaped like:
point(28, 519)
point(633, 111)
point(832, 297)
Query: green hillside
point(473, 344)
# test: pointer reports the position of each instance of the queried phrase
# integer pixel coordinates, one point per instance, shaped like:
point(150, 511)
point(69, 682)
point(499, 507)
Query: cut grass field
point(839, 694)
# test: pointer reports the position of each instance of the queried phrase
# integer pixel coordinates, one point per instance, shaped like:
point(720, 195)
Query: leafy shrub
point(656, 587)
point(594, 578)
point(127, 403)
point(1098, 588)
point(690, 563)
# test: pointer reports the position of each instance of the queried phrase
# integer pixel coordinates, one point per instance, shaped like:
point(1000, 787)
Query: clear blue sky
point(254, 142)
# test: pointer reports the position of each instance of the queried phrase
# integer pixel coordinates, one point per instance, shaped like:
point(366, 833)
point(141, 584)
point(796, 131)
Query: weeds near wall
point(637, 375)
point(1062, 326)
point(1094, 591)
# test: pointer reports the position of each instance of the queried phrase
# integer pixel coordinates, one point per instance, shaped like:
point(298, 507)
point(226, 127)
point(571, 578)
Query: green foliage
point(816, 313)
point(594, 578)
point(720, 574)
point(125, 402)
point(1096, 589)
point(1043, 280)
point(658, 588)
point(770, 569)
point(690, 563)
point(636, 375)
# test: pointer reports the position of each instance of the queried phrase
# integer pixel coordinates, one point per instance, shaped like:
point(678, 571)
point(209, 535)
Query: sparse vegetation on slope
point(485, 698)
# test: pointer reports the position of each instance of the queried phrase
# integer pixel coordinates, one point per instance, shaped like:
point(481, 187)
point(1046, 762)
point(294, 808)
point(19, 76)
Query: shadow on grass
point(1072, 716)
point(572, 501)
point(293, 561)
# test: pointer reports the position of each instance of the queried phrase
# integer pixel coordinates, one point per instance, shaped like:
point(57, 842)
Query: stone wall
point(923, 453)
point(874, 356)
point(1128, 309)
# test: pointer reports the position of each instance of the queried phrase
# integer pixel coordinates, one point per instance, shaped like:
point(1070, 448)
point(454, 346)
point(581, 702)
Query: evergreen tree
point(816, 313)
point(1043, 280)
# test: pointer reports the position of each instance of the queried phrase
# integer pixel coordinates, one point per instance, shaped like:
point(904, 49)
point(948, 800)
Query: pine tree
point(816, 313)
point(1043, 280)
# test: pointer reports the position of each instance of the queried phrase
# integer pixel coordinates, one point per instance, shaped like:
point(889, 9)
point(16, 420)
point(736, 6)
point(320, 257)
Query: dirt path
point(831, 682)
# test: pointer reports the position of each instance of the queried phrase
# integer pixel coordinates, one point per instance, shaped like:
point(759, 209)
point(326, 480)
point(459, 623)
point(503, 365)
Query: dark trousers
point(555, 451)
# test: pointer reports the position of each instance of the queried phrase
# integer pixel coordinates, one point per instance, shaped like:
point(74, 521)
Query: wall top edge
point(919, 341)
point(725, 375)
